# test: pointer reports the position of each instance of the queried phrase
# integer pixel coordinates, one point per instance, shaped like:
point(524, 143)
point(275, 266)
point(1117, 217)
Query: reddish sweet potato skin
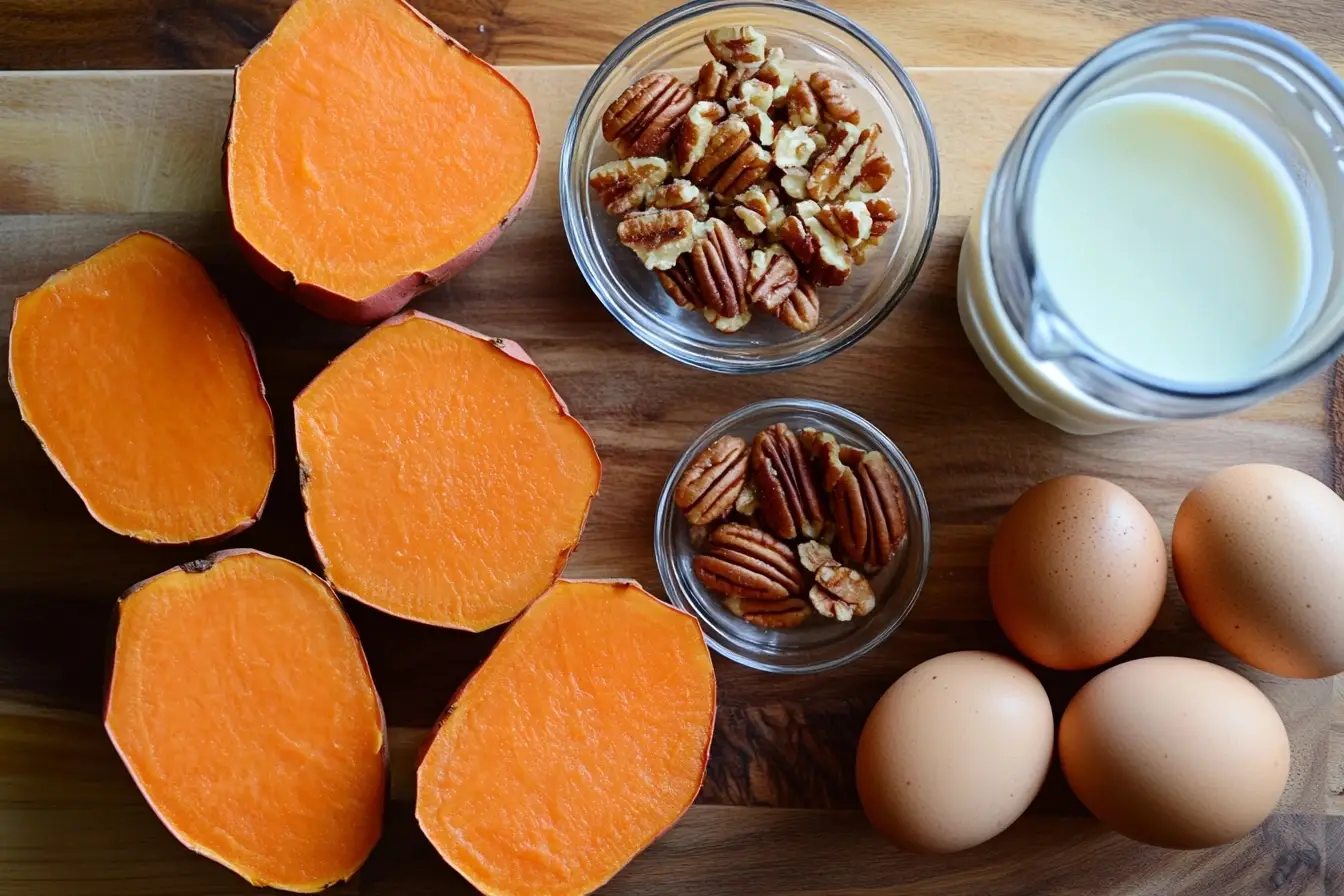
point(514, 351)
point(423, 749)
point(364, 310)
point(261, 388)
point(110, 664)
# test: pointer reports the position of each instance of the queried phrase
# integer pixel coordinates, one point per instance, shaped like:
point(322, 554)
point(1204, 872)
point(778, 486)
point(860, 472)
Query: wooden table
point(778, 813)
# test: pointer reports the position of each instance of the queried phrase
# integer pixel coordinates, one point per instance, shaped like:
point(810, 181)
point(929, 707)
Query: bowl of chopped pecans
point(749, 187)
point(796, 532)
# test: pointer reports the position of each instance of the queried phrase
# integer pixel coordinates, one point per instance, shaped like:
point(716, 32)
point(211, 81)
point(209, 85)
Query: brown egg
point(955, 751)
point(1077, 572)
point(1174, 752)
point(1259, 556)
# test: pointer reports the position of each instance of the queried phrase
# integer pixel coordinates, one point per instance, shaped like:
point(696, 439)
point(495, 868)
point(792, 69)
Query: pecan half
point(802, 309)
point(801, 105)
point(866, 500)
point(731, 162)
point(709, 488)
point(772, 278)
point(793, 233)
point(721, 266)
point(835, 101)
point(739, 45)
point(692, 137)
point(743, 562)
point(678, 282)
point(841, 593)
point(789, 613)
point(641, 120)
point(788, 496)
point(658, 237)
point(625, 185)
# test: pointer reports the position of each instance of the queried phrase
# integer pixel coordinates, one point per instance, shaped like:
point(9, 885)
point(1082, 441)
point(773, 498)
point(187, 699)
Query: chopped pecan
point(679, 282)
point(625, 185)
point(835, 101)
point(801, 105)
point(831, 264)
point(658, 237)
point(788, 495)
point(752, 93)
point(737, 45)
point(883, 214)
point(721, 266)
point(776, 71)
point(793, 233)
point(772, 278)
point(789, 613)
point(641, 120)
point(681, 194)
point(692, 135)
point(747, 500)
point(761, 124)
point(850, 221)
point(794, 182)
point(710, 79)
point(828, 168)
point(794, 146)
point(727, 324)
point(874, 174)
point(802, 309)
point(759, 210)
point(841, 593)
point(709, 488)
point(731, 162)
point(743, 562)
point(814, 555)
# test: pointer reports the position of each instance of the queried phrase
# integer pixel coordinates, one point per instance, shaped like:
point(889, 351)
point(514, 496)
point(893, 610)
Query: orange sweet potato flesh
point(370, 156)
point(445, 480)
point(581, 738)
point(241, 703)
point(143, 389)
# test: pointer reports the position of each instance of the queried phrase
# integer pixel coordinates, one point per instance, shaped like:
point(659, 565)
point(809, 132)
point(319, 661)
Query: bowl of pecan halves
point(796, 532)
point(749, 187)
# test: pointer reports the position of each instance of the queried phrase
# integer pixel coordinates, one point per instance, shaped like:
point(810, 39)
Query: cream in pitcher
point(1163, 237)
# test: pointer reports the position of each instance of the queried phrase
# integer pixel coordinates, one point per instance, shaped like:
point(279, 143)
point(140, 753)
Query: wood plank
point(128, 34)
point(85, 158)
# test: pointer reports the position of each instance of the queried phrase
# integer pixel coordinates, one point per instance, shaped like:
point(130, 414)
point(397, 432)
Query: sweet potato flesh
point(139, 382)
point(581, 739)
point(366, 147)
point(444, 480)
point(242, 705)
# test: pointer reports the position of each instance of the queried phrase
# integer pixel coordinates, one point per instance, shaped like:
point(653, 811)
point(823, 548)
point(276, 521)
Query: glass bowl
point(819, 643)
point(812, 37)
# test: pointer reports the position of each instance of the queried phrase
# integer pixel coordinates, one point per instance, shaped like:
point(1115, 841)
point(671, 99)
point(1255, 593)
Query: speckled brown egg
point(1259, 556)
point(1077, 572)
point(955, 751)
point(1174, 752)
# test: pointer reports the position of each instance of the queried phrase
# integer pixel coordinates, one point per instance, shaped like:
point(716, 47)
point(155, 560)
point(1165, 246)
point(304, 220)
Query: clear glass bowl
point(812, 37)
point(819, 643)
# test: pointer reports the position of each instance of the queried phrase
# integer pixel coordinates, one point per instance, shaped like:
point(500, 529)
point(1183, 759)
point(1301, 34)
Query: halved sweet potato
point(580, 739)
point(445, 480)
point(241, 703)
point(370, 156)
point(143, 390)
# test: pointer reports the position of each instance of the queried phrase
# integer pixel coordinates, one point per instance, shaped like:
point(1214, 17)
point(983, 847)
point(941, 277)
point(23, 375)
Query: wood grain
point(85, 158)
point(98, 34)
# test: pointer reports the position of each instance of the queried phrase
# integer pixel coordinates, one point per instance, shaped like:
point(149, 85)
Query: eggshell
point(955, 751)
point(1077, 572)
point(1174, 752)
point(1259, 557)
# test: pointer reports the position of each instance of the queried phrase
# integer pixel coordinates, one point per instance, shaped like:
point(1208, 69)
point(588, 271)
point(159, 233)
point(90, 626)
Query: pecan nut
point(680, 194)
point(828, 169)
point(658, 237)
point(731, 162)
point(641, 120)
point(801, 105)
point(772, 278)
point(721, 267)
point(789, 613)
point(776, 71)
point(692, 137)
point(801, 311)
point(841, 593)
point(789, 501)
point(746, 563)
point(626, 184)
point(835, 101)
point(866, 500)
point(678, 282)
point(709, 488)
point(738, 45)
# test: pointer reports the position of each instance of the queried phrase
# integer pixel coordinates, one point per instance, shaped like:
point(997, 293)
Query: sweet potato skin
point(514, 351)
point(452, 704)
point(198, 566)
point(261, 389)
point(364, 310)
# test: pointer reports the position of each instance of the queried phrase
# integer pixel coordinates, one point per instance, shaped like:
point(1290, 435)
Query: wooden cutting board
point(85, 158)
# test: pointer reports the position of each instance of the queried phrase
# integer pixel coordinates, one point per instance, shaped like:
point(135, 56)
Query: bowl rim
point(813, 354)
point(917, 505)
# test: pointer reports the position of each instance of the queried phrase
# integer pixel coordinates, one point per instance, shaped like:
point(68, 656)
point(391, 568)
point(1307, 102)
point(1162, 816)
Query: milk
point(1173, 238)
